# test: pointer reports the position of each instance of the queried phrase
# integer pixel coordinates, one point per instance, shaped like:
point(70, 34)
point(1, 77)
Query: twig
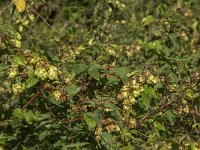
point(195, 113)
point(45, 21)
point(153, 113)
point(161, 108)
point(47, 107)
point(4, 97)
point(5, 30)
point(75, 119)
point(5, 8)
point(32, 99)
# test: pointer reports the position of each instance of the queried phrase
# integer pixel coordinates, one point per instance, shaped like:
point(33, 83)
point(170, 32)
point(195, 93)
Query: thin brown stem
point(72, 120)
point(47, 107)
point(5, 29)
point(45, 21)
point(31, 100)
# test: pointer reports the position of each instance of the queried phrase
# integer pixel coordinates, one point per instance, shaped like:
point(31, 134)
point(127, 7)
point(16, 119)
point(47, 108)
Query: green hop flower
point(41, 73)
point(53, 73)
point(18, 88)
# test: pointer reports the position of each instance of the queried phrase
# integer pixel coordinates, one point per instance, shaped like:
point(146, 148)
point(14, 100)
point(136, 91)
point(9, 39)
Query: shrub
point(109, 74)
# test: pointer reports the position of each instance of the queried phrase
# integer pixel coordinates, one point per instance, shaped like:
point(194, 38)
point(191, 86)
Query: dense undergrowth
point(107, 74)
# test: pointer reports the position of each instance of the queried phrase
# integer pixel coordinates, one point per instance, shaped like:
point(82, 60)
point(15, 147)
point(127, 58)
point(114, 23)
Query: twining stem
point(45, 21)
point(5, 30)
point(32, 99)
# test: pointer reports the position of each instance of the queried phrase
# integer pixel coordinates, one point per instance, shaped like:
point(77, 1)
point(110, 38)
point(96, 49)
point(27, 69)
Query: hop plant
point(57, 95)
point(41, 73)
point(16, 39)
point(127, 103)
point(152, 79)
point(132, 122)
point(13, 71)
point(53, 73)
point(20, 5)
point(17, 88)
point(1, 148)
point(98, 133)
point(113, 128)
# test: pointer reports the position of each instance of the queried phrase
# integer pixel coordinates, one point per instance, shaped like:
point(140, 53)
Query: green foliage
point(110, 74)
